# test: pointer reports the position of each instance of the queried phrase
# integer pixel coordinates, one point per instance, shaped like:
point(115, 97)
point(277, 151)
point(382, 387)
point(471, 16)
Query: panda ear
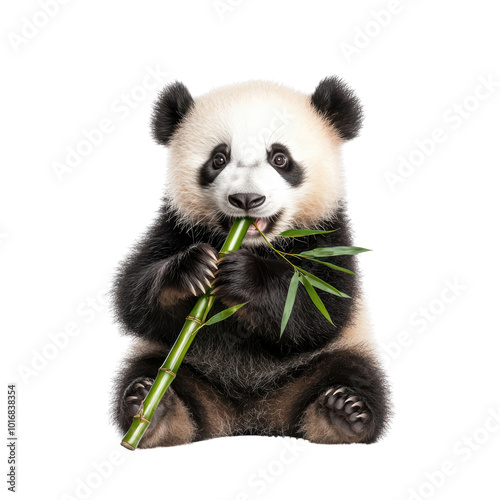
point(172, 105)
point(336, 102)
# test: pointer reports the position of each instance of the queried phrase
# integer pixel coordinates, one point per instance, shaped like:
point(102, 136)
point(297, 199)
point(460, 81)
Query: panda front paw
point(239, 277)
point(189, 273)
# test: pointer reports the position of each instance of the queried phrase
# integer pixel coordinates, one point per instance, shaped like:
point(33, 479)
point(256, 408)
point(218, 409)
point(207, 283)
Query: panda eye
point(279, 160)
point(219, 160)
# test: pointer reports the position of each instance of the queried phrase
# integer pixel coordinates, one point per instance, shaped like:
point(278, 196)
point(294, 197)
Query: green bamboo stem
point(168, 370)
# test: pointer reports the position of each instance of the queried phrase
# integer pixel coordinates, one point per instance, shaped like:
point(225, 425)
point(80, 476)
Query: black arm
point(157, 285)
point(261, 278)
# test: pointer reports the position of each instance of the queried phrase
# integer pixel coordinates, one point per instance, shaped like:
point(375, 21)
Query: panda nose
point(246, 201)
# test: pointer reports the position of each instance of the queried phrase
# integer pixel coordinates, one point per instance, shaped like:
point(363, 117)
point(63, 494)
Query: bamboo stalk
point(168, 370)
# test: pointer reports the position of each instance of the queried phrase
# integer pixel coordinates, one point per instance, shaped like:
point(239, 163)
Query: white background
point(61, 238)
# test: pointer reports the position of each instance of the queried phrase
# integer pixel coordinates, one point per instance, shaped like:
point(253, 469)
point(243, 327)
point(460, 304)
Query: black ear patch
point(334, 100)
point(170, 108)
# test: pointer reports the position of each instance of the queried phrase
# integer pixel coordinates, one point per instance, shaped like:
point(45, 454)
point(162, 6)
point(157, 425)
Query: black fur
point(147, 367)
point(334, 100)
point(255, 412)
point(208, 173)
point(293, 172)
point(351, 370)
point(172, 105)
point(255, 275)
point(241, 365)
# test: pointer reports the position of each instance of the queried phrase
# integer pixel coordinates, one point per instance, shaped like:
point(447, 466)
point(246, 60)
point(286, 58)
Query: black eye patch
point(292, 172)
point(208, 173)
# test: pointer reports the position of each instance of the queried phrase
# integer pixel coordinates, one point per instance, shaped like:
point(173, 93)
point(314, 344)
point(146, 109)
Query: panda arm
point(156, 285)
point(263, 283)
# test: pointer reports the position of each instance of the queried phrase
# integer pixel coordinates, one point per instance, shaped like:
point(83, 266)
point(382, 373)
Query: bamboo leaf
point(333, 266)
point(333, 251)
point(323, 285)
point(295, 233)
point(221, 316)
point(290, 299)
point(315, 298)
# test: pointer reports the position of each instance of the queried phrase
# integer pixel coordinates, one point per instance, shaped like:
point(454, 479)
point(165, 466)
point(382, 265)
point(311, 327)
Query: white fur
point(250, 117)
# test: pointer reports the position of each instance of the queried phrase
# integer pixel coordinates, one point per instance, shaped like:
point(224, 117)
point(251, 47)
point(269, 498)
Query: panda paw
point(135, 394)
point(189, 274)
point(348, 412)
point(202, 265)
point(133, 397)
point(238, 278)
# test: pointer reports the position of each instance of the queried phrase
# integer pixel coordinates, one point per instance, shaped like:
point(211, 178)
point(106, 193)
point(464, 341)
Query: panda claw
point(213, 263)
point(200, 286)
point(347, 412)
point(135, 394)
point(339, 404)
point(210, 253)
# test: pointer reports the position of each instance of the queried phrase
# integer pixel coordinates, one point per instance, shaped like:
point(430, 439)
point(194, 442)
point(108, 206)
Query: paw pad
point(135, 394)
point(347, 411)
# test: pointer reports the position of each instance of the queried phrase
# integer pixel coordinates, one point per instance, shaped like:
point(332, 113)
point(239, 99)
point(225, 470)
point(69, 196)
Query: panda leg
point(341, 397)
point(191, 409)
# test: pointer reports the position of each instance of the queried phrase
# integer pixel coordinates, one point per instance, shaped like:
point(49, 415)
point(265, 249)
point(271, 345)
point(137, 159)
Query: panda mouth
point(264, 224)
point(261, 224)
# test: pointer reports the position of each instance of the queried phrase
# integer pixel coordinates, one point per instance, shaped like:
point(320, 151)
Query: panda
point(261, 150)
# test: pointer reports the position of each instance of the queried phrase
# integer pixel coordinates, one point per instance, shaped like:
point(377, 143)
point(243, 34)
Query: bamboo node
point(196, 320)
point(140, 416)
point(166, 370)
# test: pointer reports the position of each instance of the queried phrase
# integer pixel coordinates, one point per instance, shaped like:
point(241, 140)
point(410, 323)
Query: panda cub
point(262, 150)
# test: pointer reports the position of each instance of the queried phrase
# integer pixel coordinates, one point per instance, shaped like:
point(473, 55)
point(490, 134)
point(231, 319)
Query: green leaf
point(333, 266)
point(290, 299)
point(323, 285)
point(295, 233)
point(221, 316)
point(333, 251)
point(315, 298)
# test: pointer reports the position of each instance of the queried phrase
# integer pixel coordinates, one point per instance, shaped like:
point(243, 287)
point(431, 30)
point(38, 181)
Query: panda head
point(256, 149)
